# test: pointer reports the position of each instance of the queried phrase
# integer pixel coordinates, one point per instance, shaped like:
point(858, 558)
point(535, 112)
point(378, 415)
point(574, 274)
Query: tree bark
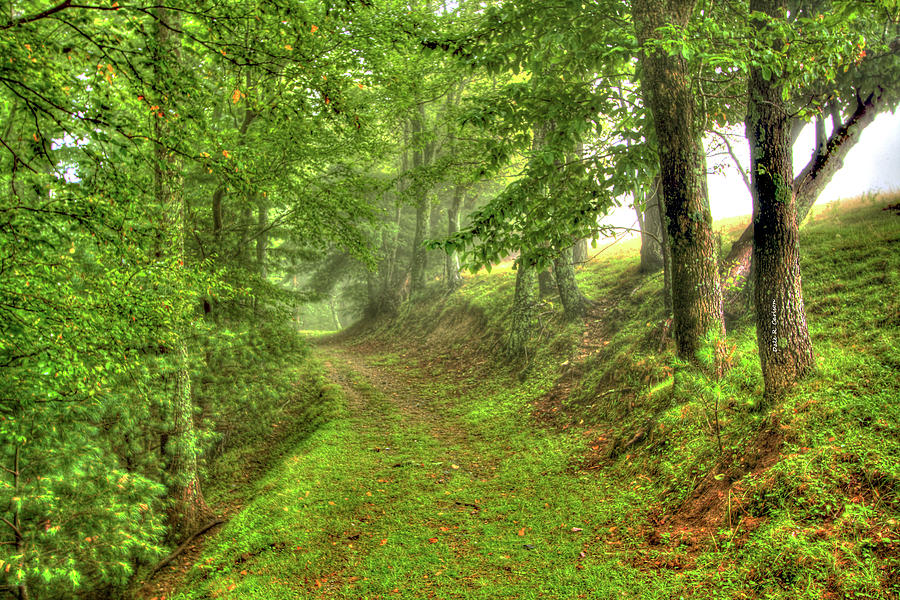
point(262, 239)
point(574, 303)
point(522, 317)
point(419, 253)
point(667, 262)
point(451, 260)
point(334, 315)
point(188, 509)
point(580, 252)
point(650, 220)
point(785, 348)
point(821, 138)
point(546, 285)
point(807, 186)
point(696, 293)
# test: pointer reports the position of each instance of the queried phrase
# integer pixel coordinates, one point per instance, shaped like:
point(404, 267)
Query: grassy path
point(422, 488)
point(435, 480)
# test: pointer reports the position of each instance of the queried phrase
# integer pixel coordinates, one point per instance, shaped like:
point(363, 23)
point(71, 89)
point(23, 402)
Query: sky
point(873, 164)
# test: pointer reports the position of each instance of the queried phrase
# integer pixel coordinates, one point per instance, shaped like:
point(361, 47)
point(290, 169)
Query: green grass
point(446, 473)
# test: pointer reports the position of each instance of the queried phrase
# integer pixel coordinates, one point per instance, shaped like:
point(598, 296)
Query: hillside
point(443, 471)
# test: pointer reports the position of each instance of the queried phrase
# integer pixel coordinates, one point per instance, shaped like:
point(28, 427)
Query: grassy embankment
point(448, 473)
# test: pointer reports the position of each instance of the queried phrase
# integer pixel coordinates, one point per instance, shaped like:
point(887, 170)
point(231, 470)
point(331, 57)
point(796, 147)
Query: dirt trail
point(402, 390)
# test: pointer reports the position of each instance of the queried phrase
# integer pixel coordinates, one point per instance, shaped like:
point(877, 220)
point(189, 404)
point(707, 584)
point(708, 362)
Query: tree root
point(159, 566)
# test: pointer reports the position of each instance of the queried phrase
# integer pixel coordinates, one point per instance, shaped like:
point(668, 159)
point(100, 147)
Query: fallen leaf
point(432, 540)
point(522, 531)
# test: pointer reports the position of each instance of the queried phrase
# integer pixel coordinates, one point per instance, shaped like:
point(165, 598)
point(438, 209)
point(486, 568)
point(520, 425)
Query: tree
point(575, 305)
point(785, 348)
point(188, 511)
point(696, 293)
point(866, 84)
point(807, 186)
point(649, 211)
point(522, 311)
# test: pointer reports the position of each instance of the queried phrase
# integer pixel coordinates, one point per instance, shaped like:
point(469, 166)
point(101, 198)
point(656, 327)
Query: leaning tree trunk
point(575, 305)
point(807, 185)
point(650, 220)
point(188, 509)
point(785, 349)
point(696, 293)
point(522, 318)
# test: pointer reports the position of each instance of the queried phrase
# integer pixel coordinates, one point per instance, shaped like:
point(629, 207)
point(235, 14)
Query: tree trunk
point(451, 260)
point(667, 261)
point(419, 253)
point(650, 220)
point(218, 217)
point(834, 110)
point(188, 507)
point(580, 252)
point(334, 315)
point(785, 349)
point(575, 305)
point(262, 239)
point(384, 292)
point(546, 285)
point(821, 138)
point(696, 293)
point(522, 318)
point(807, 185)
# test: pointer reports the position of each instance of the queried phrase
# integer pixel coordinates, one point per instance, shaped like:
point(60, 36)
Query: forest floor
point(447, 472)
